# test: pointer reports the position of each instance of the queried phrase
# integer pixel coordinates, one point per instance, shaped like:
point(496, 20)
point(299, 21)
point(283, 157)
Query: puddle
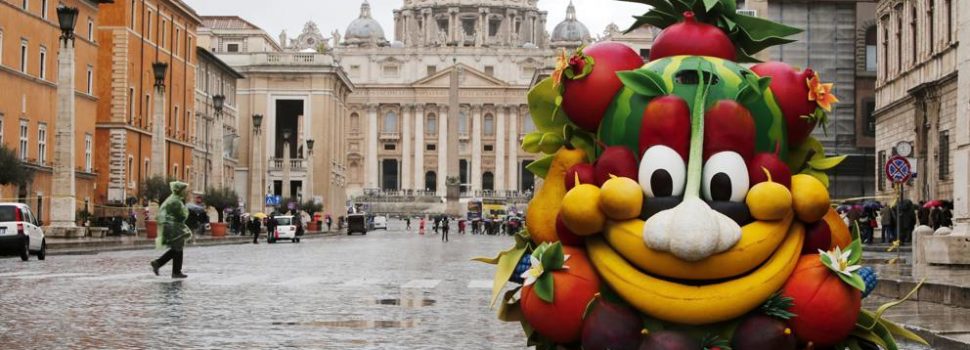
point(410, 302)
point(354, 324)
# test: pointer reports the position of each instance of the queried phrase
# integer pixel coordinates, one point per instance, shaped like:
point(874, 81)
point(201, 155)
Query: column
point(443, 149)
point(452, 24)
point(158, 162)
point(63, 202)
point(961, 158)
point(216, 155)
point(476, 131)
point(513, 148)
point(500, 149)
point(286, 168)
point(256, 172)
point(371, 161)
point(407, 113)
point(480, 36)
point(418, 148)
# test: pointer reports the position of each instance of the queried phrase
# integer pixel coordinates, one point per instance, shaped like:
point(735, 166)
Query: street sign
point(898, 170)
point(273, 200)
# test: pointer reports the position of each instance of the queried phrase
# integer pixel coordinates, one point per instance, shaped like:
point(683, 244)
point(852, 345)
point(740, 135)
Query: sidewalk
point(66, 246)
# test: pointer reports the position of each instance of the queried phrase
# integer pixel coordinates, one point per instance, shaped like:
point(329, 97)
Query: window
point(163, 38)
point(43, 8)
point(431, 124)
point(881, 175)
point(431, 147)
point(232, 47)
point(914, 33)
point(175, 171)
point(175, 121)
point(88, 145)
point(90, 76)
point(944, 152)
point(462, 123)
point(355, 122)
point(869, 106)
point(25, 5)
point(390, 122)
point(488, 181)
point(1, 129)
point(23, 140)
point(23, 56)
point(391, 70)
point(389, 147)
point(132, 22)
point(148, 26)
point(488, 124)
point(43, 63)
point(489, 148)
point(131, 105)
point(90, 29)
point(948, 12)
point(1, 47)
point(42, 143)
point(929, 24)
point(490, 71)
point(175, 46)
point(144, 171)
point(899, 37)
point(432, 70)
point(147, 114)
point(871, 49)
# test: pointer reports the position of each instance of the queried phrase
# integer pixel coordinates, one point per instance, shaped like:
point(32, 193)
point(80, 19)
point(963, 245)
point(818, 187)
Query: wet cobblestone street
point(386, 290)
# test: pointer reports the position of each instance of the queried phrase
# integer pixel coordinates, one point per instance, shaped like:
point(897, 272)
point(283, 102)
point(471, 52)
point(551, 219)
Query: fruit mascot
point(684, 202)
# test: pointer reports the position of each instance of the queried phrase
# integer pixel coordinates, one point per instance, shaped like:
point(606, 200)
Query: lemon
point(810, 198)
point(769, 201)
point(621, 198)
point(581, 210)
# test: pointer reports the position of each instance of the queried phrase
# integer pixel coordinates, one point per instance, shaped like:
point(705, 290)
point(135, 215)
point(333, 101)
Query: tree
point(156, 188)
point(221, 199)
point(311, 207)
point(12, 171)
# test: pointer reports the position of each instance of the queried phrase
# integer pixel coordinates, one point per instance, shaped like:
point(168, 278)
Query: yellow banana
point(696, 305)
point(545, 205)
point(758, 240)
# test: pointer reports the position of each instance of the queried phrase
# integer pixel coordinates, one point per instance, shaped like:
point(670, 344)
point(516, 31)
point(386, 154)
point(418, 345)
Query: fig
point(617, 161)
point(692, 38)
point(611, 326)
point(825, 308)
point(561, 320)
point(817, 236)
point(758, 332)
point(790, 88)
point(586, 99)
point(586, 173)
point(669, 340)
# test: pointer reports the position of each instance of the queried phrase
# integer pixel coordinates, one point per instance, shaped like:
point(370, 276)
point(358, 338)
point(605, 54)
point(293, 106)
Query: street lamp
point(309, 146)
point(257, 122)
point(218, 101)
point(67, 18)
point(160, 68)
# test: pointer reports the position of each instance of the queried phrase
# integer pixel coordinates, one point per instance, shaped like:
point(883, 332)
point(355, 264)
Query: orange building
point(29, 45)
point(134, 34)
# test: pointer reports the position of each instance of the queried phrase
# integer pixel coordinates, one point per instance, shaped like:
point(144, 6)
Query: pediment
point(470, 77)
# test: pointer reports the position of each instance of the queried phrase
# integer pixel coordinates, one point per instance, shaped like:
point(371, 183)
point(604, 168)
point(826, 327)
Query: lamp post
point(218, 102)
point(286, 162)
point(63, 186)
point(256, 174)
point(308, 186)
point(158, 121)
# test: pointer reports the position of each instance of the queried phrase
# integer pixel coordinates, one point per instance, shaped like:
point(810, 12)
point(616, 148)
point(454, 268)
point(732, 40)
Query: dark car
point(356, 223)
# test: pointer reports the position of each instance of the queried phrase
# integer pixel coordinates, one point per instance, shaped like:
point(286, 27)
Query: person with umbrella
point(171, 219)
point(888, 220)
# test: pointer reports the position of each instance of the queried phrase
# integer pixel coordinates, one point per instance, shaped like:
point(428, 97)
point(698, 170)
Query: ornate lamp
point(309, 146)
point(257, 122)
point(160, 68)
point(218, 101)
point(67, 18)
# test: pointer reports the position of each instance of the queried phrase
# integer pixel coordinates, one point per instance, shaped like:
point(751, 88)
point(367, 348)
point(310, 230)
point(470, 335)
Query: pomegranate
point(694, 38)
point(790, 88)
point(586, 99)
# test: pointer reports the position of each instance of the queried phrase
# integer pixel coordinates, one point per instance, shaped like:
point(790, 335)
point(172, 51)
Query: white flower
point(532, 274)
point(840, 261)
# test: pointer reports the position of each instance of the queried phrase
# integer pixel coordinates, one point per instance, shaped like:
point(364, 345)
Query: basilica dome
point(570, 30)
point(364, 29)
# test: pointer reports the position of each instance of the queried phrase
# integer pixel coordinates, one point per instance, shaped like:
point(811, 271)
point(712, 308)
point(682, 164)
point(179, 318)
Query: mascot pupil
point(684, 202)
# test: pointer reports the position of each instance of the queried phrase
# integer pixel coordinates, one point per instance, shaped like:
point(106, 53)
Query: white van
point(20, 231)
point(380, 222)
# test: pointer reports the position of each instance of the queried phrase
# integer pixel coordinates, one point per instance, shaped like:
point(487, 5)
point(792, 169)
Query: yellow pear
point(581, 210)
point(810, 198)
point(769, 201)
point(621, 198)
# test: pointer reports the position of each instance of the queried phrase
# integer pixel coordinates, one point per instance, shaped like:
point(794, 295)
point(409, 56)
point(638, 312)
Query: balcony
point(390, 136)
point(296, 164)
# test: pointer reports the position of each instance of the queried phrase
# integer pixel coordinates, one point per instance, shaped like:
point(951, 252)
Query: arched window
point(431, 124)
point(390, 122)
point(488, 124)
point(354, 122)
point(871, 49)
point(462, 123)
point(430, 181)
point(488, 181)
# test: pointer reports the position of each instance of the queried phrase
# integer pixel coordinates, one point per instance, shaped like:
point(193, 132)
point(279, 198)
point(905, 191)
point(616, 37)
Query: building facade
point(299, 103)
point(29, 50)
point(216, 131)
point(922, 95)
point(142, 130)
point(451, 63)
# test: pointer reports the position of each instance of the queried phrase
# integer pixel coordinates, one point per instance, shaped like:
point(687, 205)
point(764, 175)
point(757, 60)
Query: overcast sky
point(336, 14)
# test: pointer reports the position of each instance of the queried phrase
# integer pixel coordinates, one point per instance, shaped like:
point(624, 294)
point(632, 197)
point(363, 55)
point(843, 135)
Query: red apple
point(585, 100)
point(617, 161)
point(790, 88)
point(585, 172)
point(694, 38)
point(778, 169)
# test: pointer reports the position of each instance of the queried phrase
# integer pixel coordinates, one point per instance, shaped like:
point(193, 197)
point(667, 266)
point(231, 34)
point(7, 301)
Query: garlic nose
point(691, 231)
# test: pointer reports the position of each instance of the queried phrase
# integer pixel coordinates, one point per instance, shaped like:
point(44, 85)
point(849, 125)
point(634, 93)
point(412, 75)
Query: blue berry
point(524, 264)
point(869, 275)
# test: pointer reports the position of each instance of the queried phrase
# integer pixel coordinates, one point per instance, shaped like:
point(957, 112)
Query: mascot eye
point(725, 178)
point(662, 172)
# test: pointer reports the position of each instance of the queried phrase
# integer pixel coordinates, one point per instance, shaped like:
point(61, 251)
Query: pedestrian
point(865, 225)
point(407, 221)
point(444, 229)
point(271, 224)
point(421, 226)
point(888, 220)
point(254, 227)
point(437, 221)
point(906, 220)
point(329, 223)
point(171, 219)
point(461, 226)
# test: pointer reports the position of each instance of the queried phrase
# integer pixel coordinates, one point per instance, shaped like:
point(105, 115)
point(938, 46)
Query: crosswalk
point(229, 280)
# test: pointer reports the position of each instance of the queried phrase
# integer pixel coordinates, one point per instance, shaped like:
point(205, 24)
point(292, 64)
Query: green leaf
point(855, 252)
point(546, 114)
point(854, 280)
point(821, 176)
point(643, 82)
point(709, 4)
point(506, 262)
point(826, 260)
point(653, 18)
point(544, 288)
point(541, 166)
point(887, 306)
point(868, 335)
point(552, 257)
point(585, 141)
point(826, 163)
point(762, 33)
point(510, 310)
point(530, 143)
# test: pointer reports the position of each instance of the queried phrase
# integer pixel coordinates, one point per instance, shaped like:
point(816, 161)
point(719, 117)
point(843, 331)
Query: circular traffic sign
point(898, 170)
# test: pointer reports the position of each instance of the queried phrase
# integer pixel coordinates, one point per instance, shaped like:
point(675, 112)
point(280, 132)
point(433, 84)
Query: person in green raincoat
point(171, 220)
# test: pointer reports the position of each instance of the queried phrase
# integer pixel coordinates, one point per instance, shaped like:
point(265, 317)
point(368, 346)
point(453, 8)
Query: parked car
point(20, 231)
point(356, 223)
point(285, 229)
point(380, 222)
